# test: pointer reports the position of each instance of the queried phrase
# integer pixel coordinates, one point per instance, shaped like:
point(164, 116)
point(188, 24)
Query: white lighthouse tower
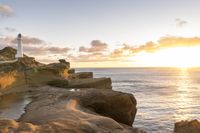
point(19, 47)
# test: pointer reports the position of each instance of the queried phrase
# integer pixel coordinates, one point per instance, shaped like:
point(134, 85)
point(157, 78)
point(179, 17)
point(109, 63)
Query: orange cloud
point(98, 51)
point(121, 54)
point(164, 42)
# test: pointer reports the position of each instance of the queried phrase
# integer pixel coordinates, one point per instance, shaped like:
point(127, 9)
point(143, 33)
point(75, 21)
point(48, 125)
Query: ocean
point(164, 95)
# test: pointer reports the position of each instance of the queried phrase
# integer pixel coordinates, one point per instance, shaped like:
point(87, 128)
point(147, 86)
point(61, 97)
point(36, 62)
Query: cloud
point(5, 11)
point(9, 29)
point(33, 46)
point(58, 50)
point(180, 22)
point(127, 50)
point(98, 51)
point(162, 43)
point(29, 40)
point(96, 46)
point(10, 40)
point(90, 57)
point(32, 50)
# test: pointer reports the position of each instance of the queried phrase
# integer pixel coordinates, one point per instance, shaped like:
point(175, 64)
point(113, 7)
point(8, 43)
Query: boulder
point(187, 127)
point(84, 111)
point(81, 75)
point(117, 105)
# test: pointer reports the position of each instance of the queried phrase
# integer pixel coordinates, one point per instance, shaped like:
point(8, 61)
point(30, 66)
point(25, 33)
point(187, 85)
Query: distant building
point(19, 47)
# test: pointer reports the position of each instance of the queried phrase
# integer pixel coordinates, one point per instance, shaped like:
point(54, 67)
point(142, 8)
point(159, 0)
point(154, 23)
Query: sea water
point(12, 106)
point(164, 95)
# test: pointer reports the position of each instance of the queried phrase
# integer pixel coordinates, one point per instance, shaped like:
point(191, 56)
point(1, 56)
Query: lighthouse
point(19, 47)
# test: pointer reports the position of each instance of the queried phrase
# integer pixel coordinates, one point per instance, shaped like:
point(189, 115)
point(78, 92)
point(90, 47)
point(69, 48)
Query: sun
point(182, 57)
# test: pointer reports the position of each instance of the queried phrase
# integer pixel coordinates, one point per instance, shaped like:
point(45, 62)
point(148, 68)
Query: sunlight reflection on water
point(164, 95)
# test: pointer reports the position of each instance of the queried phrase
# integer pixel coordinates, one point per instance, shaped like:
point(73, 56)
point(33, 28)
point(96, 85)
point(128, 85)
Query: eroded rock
point(84, 111)
point(81, 75)
point(59, 83)
point(100, 83)
point(117, 105)
point(187, 127)
point(71, 71)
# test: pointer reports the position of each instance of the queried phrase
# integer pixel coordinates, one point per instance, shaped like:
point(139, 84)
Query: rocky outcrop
point(98, 83)
point(62, 126)
point(20, 65)
point(56, 68)
point(71, 71)
point(81, 75)
point(6, 80)
point(59, 83)
point(117, 105)
point(27, 71)
point(63, 61)
point(96, 108)
point(187, 127)
point(83, 111)
point(7, 53)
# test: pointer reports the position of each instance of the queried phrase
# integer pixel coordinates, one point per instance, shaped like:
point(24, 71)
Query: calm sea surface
point(164, 95)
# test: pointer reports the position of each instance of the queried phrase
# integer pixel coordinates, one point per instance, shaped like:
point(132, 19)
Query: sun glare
point(182, 57)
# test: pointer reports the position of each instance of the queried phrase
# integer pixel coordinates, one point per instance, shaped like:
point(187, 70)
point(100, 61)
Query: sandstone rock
point(81, 112)
point(71, 71)
point(99, 83)
point(117, 105)
point(187, 127)
point(7, 53)
point(28, 72)
point(20, 65)
point(81, 75)
point(6, 80)
point(64, 62)
point(59, 83)
point(62, 126)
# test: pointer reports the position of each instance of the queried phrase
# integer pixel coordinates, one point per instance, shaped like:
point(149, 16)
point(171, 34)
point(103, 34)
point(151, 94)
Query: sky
point(104, 33)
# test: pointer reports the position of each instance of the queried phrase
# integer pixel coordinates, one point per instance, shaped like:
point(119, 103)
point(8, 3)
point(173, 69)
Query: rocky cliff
point(92, 107)
point(27, 71)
